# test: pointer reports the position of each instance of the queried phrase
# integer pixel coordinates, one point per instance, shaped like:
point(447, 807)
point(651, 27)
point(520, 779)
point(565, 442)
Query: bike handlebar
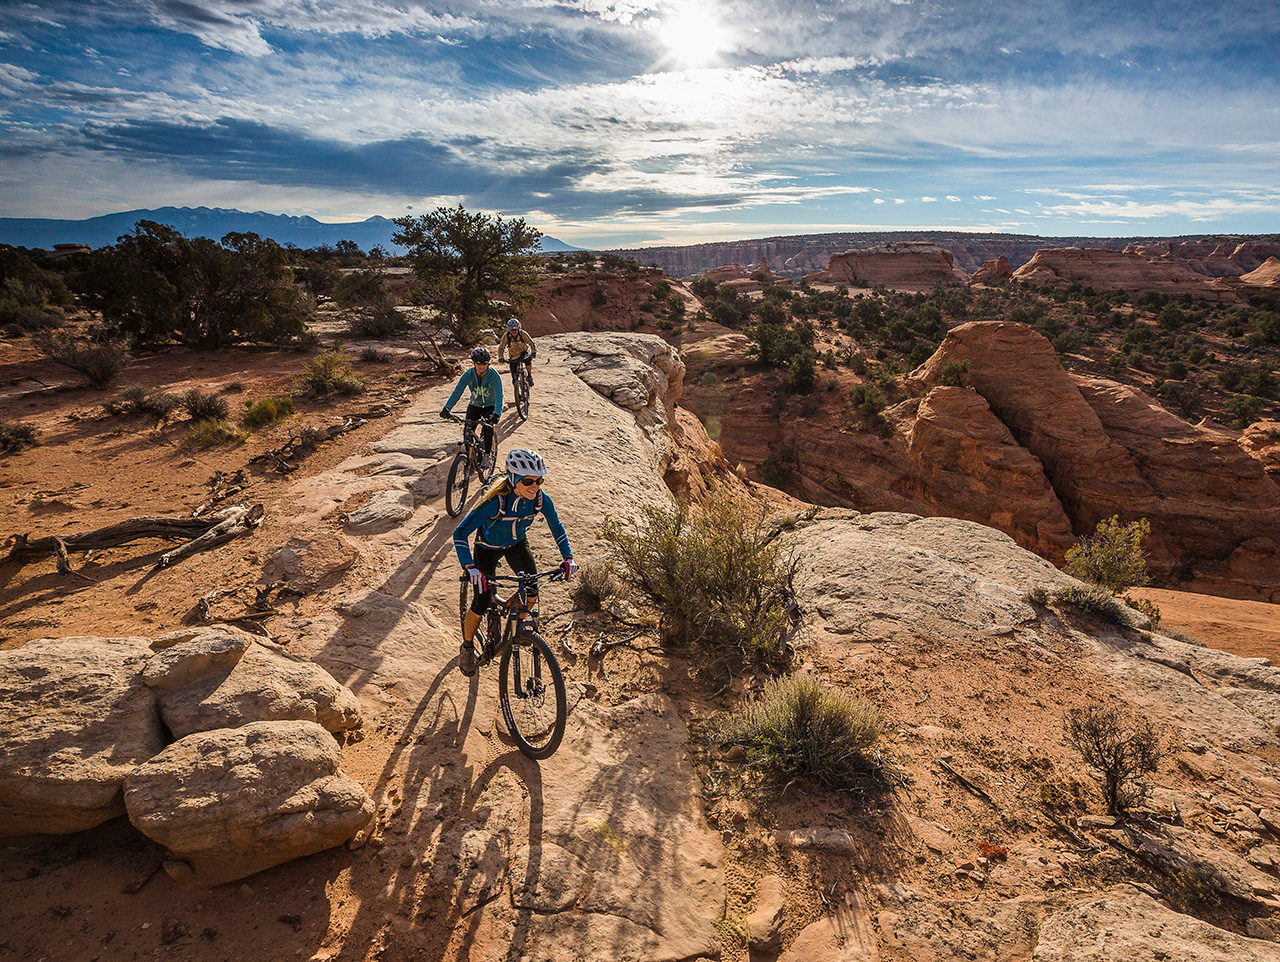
point(457, 420)
point(555, 574)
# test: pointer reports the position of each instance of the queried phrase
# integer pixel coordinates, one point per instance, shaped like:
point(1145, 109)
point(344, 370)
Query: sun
point(693, 34)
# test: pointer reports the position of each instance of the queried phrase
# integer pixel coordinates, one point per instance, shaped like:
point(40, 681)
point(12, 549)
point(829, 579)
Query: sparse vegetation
point(1112, 556)
point(14, 436)
point(1120, 749)
point(137, 399)
point(1089, 597)
point(330, 373)
point(98, 357)
point(802, 728)
point(718, 582)
point(214, 431)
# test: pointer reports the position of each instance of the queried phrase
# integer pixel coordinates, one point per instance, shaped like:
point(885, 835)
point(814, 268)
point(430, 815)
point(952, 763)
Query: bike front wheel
point(455, 495)
point(531, 690)
point(522, 395)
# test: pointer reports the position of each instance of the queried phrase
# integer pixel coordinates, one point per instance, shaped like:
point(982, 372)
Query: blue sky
point(613, 123)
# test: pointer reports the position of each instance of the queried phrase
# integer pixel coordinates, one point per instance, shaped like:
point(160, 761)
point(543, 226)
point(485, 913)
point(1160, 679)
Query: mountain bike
point(530, 683)
point(521, 386)
point(468, 461)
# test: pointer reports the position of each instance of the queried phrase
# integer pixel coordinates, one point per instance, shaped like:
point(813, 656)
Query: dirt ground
point(93, 469)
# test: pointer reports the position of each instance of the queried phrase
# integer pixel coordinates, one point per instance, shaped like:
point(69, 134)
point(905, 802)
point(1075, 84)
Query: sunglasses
point(531, 480)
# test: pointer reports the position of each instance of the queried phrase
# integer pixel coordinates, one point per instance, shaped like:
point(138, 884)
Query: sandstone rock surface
point(997, 271)
point(222, 678)
point(231, 802)
point(1143, 930)
point(76, 719)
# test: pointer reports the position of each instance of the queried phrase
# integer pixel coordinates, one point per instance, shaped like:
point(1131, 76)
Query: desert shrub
point(953, 373)
point(1244, 409)
point(1147, 607)
point(379, 322)
point(266, 411)
point(1112, 556)
point(1192, 889)
point(137, 399)
point(598, 581)
point(719, 582)
point(802, 728)
point(867, 399)
point(780, 466)
point(204, 405)
point(374, 355)
point(213, 431)
point(28, 317)
point(1088, 597)
point(98, 358)
point(330, 373)
point(708, 379)
point(1120, 749)
point(14, 436)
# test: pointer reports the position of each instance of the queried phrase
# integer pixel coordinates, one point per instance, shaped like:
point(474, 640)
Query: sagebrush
point(330, 373)
point(718, 581)
point(1112, 556)
point(1120, 747)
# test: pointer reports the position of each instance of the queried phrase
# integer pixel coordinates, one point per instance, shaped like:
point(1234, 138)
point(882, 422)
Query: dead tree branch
point(199, 533)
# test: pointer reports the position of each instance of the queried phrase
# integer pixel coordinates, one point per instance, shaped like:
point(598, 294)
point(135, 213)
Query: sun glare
point(693, 34)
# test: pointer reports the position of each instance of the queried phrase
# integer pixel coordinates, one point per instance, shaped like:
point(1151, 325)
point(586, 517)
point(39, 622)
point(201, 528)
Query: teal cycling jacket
point(504, 520)
point(485, 392)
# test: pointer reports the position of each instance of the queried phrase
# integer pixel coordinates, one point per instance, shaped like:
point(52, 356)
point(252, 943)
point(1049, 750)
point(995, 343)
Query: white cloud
point(878, 200)
point(953, 198)
point(929, 200)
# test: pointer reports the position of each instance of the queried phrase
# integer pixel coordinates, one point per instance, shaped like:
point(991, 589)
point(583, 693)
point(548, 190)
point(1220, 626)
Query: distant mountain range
point(215, 222)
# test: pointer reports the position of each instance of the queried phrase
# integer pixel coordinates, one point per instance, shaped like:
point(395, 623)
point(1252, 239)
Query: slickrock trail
point(637, 840)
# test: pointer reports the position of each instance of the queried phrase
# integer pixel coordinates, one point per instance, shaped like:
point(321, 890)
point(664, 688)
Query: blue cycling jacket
point(485, 391)
point(504, 520)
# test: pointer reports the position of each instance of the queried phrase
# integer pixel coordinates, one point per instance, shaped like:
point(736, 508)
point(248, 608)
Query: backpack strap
point(502, 506)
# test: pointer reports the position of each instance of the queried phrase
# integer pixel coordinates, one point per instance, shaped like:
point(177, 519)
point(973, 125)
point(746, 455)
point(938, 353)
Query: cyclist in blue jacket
point(485, 404)
point(501, 522)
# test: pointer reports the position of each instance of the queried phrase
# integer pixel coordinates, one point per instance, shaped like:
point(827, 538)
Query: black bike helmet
point(480, 355)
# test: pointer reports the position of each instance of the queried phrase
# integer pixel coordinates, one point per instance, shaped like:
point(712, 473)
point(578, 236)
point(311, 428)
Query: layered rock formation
point(997, 271)
point(1025, 447)
point(1116, 270)
point(908, 266)
point(1219, 257)
point(1266, 274)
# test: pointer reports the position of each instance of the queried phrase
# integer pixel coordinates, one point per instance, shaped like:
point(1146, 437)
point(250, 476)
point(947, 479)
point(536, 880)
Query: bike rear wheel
point(531, 690)
point(455, 495)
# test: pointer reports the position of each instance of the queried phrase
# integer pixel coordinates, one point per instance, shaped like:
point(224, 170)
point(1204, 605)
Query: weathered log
point(200, 533)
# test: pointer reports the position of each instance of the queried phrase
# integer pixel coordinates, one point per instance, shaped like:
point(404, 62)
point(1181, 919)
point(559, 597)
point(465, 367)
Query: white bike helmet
point(525, 463)
point(513, 324)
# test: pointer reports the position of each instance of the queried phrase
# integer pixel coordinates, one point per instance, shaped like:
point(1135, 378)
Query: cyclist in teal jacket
point(485, 405)
point(501, 522)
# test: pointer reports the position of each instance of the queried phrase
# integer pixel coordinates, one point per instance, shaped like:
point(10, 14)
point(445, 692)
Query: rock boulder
point(77, 719)
point(235, 801)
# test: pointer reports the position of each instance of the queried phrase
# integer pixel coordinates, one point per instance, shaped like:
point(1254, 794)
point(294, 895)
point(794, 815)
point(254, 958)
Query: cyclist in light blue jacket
point(501, 523)
point(485, 404)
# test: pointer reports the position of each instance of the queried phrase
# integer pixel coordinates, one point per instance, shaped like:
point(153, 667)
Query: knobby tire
point(522, 395)
point(455, 495)
point(531, 691)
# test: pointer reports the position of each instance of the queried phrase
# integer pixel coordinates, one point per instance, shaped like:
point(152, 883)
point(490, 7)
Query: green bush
point(137, 399)
point(718, 582)
point(98, 358)
point(1121, 750)
point(330, 373)
point(266, 411)
point(204, 405)
point(14, 436)
point(953, 373)
point(801, 728)
point(1112, 556)
point(867, 399)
